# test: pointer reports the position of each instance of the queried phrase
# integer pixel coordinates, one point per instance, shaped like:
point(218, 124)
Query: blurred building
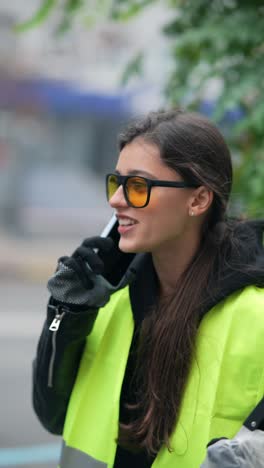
point(61, 107)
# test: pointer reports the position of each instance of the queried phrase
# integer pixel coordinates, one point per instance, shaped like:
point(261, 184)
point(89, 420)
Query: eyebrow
point(138, 172)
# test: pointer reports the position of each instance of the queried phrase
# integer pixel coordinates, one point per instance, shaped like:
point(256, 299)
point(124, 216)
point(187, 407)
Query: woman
point(146, 373)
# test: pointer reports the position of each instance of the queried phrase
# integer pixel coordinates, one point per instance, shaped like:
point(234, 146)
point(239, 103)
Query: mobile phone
point(117, 267)
point(110, 228)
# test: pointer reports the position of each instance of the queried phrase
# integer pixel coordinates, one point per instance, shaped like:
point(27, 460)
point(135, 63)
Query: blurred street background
point(61, 108)
point(72, 74)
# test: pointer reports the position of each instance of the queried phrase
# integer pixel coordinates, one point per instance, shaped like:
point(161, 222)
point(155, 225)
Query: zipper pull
point(54, 326)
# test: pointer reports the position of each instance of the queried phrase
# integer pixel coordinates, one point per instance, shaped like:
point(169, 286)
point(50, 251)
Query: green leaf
point(41, 15)
point(133, 68)
point(72, 6)
point(125, 10)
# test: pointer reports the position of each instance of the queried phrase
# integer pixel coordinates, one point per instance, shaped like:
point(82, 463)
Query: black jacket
point(59, 352)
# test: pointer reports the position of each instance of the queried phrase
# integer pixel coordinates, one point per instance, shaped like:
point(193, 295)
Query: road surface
point(23, 442)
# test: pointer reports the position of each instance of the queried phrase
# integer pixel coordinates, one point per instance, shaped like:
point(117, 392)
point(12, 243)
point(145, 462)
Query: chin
point(130, 247)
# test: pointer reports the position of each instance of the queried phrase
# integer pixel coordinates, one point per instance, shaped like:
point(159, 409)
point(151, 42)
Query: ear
point(200, 201)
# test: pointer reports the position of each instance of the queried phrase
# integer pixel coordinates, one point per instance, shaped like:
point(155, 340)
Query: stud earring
point(191, 213)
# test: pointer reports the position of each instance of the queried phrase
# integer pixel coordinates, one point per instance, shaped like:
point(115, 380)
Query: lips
point(126, 224)
point(126, 221)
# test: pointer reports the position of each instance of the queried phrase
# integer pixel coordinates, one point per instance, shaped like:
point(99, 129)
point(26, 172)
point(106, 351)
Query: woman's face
point(166, 219)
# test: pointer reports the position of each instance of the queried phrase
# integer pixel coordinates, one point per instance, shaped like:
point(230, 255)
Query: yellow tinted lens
point(112, 185)
point(137, 191)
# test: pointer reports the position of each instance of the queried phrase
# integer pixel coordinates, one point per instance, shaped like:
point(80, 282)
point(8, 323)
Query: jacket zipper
point(54, 329)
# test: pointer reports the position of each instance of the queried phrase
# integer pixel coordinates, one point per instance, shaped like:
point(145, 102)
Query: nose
point(118, 199)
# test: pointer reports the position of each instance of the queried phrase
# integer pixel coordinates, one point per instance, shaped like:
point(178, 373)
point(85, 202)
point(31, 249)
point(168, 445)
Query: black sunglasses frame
point(122, 180)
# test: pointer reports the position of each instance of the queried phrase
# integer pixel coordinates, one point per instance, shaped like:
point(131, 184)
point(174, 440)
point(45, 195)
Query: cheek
point(168, 204)
point(167, 214)
point(161, 220)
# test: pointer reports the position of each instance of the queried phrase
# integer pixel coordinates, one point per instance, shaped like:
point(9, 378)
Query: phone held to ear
point(116, 269)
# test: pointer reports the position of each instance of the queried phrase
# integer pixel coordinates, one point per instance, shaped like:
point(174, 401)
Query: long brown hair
point(192, 146)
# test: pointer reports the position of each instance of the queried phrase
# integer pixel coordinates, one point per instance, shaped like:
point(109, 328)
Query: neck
point(171, 261)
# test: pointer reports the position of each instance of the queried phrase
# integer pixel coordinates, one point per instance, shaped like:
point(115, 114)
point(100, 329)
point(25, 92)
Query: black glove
point(78, 280)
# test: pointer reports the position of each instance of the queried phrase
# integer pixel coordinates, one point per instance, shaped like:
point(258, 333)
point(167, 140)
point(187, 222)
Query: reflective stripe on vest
point(72, 457)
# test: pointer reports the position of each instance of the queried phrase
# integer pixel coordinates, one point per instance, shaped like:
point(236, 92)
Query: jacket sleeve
point(57, 361)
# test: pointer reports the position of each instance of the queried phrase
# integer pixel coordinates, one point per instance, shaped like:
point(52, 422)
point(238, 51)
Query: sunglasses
point(137, 189)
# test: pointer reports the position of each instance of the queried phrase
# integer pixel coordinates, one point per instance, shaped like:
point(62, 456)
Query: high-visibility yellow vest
point(226, 382)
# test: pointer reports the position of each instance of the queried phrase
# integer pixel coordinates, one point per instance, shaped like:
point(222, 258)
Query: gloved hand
point(78, 280)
